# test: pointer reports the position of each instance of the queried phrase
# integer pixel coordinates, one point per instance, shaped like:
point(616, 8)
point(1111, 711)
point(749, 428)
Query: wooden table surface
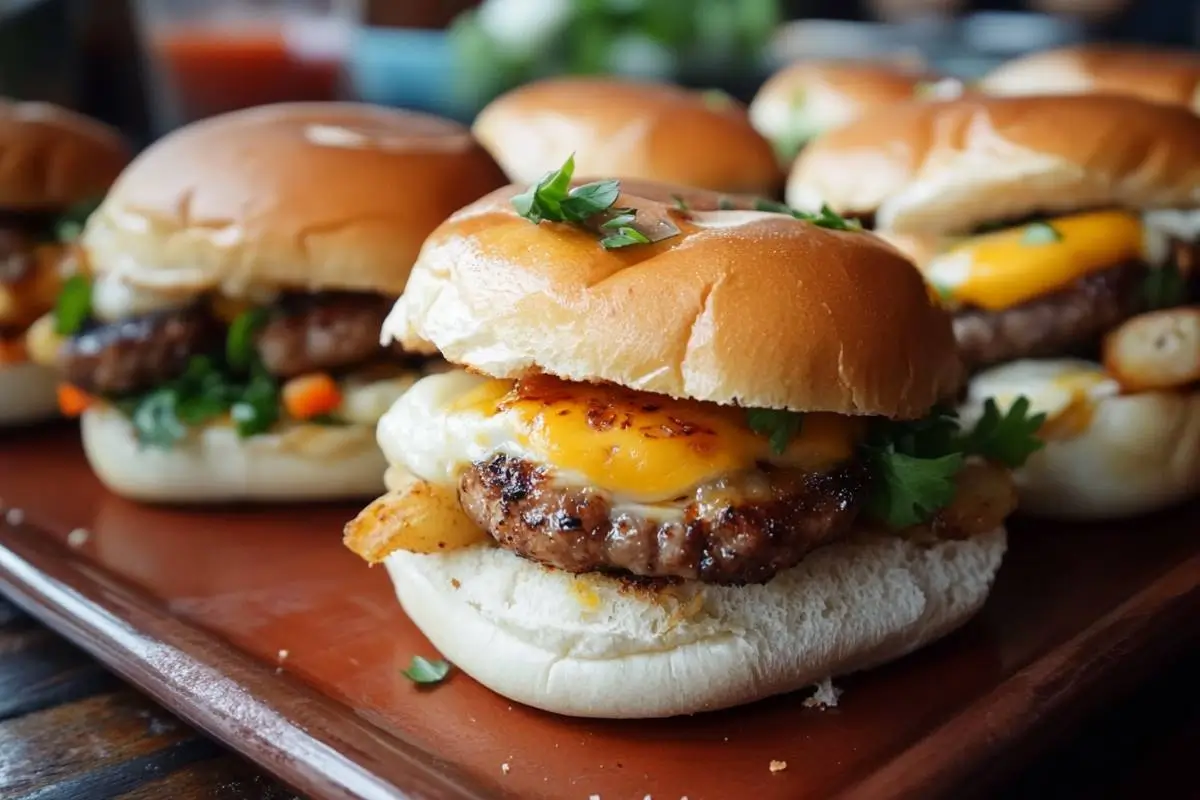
point(69, 730)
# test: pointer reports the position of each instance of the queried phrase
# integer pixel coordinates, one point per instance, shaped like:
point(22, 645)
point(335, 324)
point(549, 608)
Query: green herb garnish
point(1040, 233)
point(424, 672)
point(552, 200)
point(780, 427)
point(1164, 287)
point(680, 203)
point(239, 341)
point(205, 391)
point(716, 100)
point(70, 225)
point(914, 464)
point(725, 204)
point(825, 218)
point(74, 305)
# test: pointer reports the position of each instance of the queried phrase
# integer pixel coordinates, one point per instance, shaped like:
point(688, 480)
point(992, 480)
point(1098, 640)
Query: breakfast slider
point(1044, 223)
point(629, 129)
point(55, 166)
point(808, 98)
point(695, 458)
point(1159, 75)
point(225, 343)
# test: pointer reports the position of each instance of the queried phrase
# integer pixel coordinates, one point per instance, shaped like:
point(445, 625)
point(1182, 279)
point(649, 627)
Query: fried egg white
point(1065, 390)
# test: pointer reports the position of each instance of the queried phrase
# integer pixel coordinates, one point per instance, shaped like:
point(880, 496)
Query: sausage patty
point(320, 332)
point(308, 333)
point(743, 531)
point(1063, 322)
point(139, 353)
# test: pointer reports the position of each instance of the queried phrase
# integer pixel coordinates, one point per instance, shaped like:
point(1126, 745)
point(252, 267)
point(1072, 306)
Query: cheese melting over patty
point(639, 447)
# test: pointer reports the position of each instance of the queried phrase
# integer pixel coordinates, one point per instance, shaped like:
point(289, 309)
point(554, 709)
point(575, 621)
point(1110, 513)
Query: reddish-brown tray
point(197, 608)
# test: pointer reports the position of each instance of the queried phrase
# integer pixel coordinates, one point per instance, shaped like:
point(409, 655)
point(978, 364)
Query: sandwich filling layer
point(595, 477)
point(1052, 287)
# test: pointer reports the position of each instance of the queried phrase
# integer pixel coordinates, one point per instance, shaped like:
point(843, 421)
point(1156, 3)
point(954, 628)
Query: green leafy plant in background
point(504, 43)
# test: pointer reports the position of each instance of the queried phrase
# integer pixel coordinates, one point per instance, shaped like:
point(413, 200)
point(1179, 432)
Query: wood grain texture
point(197, 606)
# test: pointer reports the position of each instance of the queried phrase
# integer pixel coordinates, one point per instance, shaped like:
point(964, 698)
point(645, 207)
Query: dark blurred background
point(149, 65)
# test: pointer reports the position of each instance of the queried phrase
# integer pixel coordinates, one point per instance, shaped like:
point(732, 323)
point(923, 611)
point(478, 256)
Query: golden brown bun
point(1157, 75)
point(949, 166)
point(628, 129)
point(741, 307)
point(309, 196)
point(51, 158)
point(810, 97)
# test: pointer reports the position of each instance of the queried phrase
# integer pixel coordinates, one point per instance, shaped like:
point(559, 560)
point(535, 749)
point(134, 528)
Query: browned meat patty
point(329, 331)
point(762, 523)
point(140, 353)
point(1063, 322)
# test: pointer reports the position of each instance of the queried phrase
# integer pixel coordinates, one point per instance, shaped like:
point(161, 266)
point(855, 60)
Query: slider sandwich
point(54, 167)
point(629, 129)
point(1046, 224)
point(225, 343)
point(1157, 75)
point(808, 98)
point(693, 458)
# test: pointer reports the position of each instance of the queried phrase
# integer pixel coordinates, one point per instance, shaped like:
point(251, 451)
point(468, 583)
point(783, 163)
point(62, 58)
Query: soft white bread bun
point(591, 646)
point(947, 167)
point(307, 196)
point(51, 158)
point(1116, 455)
point(741, 307)
point(212, 465)
point(810, 97)
point(628, 129)
point(1155, 74)
point(27, 393)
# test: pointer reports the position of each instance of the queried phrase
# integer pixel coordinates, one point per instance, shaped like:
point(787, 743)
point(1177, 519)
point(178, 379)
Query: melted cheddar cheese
point(1004, 269)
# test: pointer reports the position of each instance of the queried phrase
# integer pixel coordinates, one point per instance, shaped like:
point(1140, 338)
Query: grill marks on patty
point(758, 524)
point(305, 333)
point(1065, 321)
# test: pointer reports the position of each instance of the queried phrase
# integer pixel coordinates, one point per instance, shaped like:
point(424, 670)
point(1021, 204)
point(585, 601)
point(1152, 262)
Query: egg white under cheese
point(1065, 390)
point(639, 448)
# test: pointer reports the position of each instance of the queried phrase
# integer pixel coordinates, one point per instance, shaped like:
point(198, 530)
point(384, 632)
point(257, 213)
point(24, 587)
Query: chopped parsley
point(592, 205)
point(73, 306)
point(424, 672)
point(1037, 233)
point(779, 426)
point(1164, 287)
point(914, 464)
point(825, 218)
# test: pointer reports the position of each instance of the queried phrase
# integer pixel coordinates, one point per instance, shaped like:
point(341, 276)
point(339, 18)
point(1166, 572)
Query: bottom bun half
point(212, 464)
point(27, 393)
point(594, 646)
point(1139, 453)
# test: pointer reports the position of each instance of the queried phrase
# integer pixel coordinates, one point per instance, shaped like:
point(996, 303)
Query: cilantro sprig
point(914, 464)
point(73, 306)
point(69, 226)
point(591, 205)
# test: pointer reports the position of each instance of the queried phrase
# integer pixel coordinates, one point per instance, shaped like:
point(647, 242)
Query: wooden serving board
point(197, 606)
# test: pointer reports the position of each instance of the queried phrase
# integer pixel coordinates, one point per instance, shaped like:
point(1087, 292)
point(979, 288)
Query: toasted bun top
point(51, 158)
point(741, 307)
point(308, 196)
point(1154, 74)
point(810, 97)
point(628, 129)
point(950, 166)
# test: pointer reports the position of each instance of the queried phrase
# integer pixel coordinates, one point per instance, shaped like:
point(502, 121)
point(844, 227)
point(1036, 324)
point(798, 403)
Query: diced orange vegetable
point(12, 351)
point(311, 396)
point(73, 401)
